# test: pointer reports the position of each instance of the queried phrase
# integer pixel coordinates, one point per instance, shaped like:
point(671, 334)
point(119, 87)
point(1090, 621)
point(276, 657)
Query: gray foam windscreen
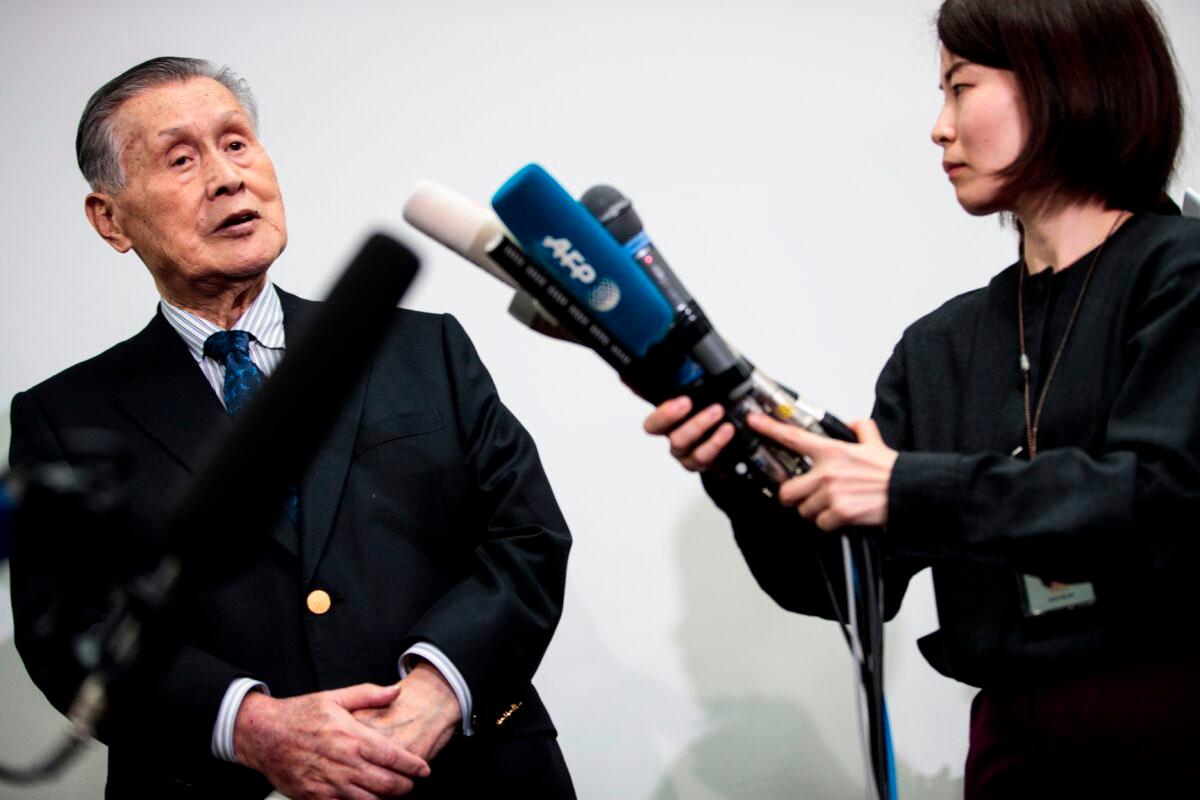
point(1191, 204)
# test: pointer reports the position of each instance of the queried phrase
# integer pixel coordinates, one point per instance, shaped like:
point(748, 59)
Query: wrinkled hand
point(422, 718)
point(686, 440)
point(848, 483)
point(311, 747)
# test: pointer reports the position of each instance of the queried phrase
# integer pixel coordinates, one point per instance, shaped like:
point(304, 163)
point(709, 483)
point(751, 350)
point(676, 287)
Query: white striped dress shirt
point(263, 320)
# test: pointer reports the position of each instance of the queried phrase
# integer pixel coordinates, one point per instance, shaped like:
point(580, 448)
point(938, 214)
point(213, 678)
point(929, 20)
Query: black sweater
point(1112, 498)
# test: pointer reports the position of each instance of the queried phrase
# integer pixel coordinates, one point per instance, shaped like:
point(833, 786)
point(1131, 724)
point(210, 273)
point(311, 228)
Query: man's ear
point(101, 212)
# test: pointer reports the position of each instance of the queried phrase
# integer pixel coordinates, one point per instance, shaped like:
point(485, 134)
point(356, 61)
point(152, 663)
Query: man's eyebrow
point(224, 118)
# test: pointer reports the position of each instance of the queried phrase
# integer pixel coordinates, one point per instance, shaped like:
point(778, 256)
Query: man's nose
point(222, 177)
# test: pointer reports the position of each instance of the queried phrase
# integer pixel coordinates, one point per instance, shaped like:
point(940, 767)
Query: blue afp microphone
point(583, 258)
point(590, 266)
point(476, 234)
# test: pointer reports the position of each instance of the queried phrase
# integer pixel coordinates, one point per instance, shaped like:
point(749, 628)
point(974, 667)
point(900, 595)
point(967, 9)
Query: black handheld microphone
point(691, 330)
point(729, 378)
point(616, 213)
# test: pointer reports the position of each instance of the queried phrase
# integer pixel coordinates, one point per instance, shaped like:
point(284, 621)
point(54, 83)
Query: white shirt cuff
point(450, 672)
point(222, 735)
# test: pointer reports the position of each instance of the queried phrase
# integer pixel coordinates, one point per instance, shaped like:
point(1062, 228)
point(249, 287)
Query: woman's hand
point(686, 445)
point(848, 483)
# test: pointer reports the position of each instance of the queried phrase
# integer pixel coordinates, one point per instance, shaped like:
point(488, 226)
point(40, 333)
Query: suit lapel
point(166, 394)
point(321, 487)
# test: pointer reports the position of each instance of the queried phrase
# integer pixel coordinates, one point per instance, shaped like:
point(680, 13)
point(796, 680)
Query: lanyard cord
point(1032, 420)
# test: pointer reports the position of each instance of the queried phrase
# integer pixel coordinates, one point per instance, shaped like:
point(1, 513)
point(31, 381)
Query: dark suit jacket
point(425, 515)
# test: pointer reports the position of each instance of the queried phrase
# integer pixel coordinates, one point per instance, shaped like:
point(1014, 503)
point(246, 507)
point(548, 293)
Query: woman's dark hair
point(1102, 97)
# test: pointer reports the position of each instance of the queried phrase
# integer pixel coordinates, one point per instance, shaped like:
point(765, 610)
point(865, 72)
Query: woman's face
point(981, 130)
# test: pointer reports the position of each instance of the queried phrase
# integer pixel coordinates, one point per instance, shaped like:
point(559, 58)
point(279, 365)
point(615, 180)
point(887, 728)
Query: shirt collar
point(263, 320)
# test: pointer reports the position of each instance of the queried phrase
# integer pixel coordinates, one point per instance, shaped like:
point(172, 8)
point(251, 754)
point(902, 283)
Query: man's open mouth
point(237, 218)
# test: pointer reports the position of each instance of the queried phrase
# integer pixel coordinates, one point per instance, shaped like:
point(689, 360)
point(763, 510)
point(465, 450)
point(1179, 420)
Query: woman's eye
point(958, 88)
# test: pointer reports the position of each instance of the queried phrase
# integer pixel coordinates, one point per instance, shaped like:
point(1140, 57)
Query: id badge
point(1040, 596)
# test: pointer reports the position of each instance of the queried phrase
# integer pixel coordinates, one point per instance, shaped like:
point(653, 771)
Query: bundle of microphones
point(586, 271)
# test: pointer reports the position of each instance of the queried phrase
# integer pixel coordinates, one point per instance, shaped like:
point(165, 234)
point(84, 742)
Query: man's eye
point(237, 145)
point(180, 161)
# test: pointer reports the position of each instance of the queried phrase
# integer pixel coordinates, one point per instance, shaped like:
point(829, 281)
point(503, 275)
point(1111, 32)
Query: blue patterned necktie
point(242, 379)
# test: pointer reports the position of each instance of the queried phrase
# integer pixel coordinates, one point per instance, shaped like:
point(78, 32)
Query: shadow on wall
point(595, 703)
point(776, 689)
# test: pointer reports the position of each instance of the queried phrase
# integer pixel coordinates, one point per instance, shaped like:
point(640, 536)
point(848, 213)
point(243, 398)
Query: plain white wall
point(779, 154)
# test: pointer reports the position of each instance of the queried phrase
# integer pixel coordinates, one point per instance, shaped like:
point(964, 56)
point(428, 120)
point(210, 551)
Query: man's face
point(201, 205)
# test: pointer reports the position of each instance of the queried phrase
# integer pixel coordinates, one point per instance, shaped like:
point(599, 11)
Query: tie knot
point(222, 343)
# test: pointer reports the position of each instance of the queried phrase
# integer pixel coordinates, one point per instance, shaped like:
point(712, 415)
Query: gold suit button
point(319, 601)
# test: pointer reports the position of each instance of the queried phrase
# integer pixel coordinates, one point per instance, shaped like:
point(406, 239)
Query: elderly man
point(385, 635)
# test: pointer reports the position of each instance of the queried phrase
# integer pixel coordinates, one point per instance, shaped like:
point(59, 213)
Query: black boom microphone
point(279, 431)
point(268, 446)
point(273, 438)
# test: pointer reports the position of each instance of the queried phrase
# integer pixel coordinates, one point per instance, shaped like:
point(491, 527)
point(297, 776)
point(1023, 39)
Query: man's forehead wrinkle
point(170, 108)
point(175, 130)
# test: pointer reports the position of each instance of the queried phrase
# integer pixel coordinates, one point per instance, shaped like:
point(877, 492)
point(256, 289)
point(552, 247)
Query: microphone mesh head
point(614, 211)
point(605, 295)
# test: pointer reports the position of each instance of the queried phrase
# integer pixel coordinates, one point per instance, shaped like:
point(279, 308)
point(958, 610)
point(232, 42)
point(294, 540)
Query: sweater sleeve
point(796, 563)
point(1074, 514)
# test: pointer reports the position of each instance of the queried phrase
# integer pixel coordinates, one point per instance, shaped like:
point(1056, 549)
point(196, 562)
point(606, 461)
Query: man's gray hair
point(96, 144)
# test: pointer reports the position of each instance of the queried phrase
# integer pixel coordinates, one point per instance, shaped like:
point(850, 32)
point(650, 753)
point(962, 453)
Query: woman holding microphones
point(1037, 441)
